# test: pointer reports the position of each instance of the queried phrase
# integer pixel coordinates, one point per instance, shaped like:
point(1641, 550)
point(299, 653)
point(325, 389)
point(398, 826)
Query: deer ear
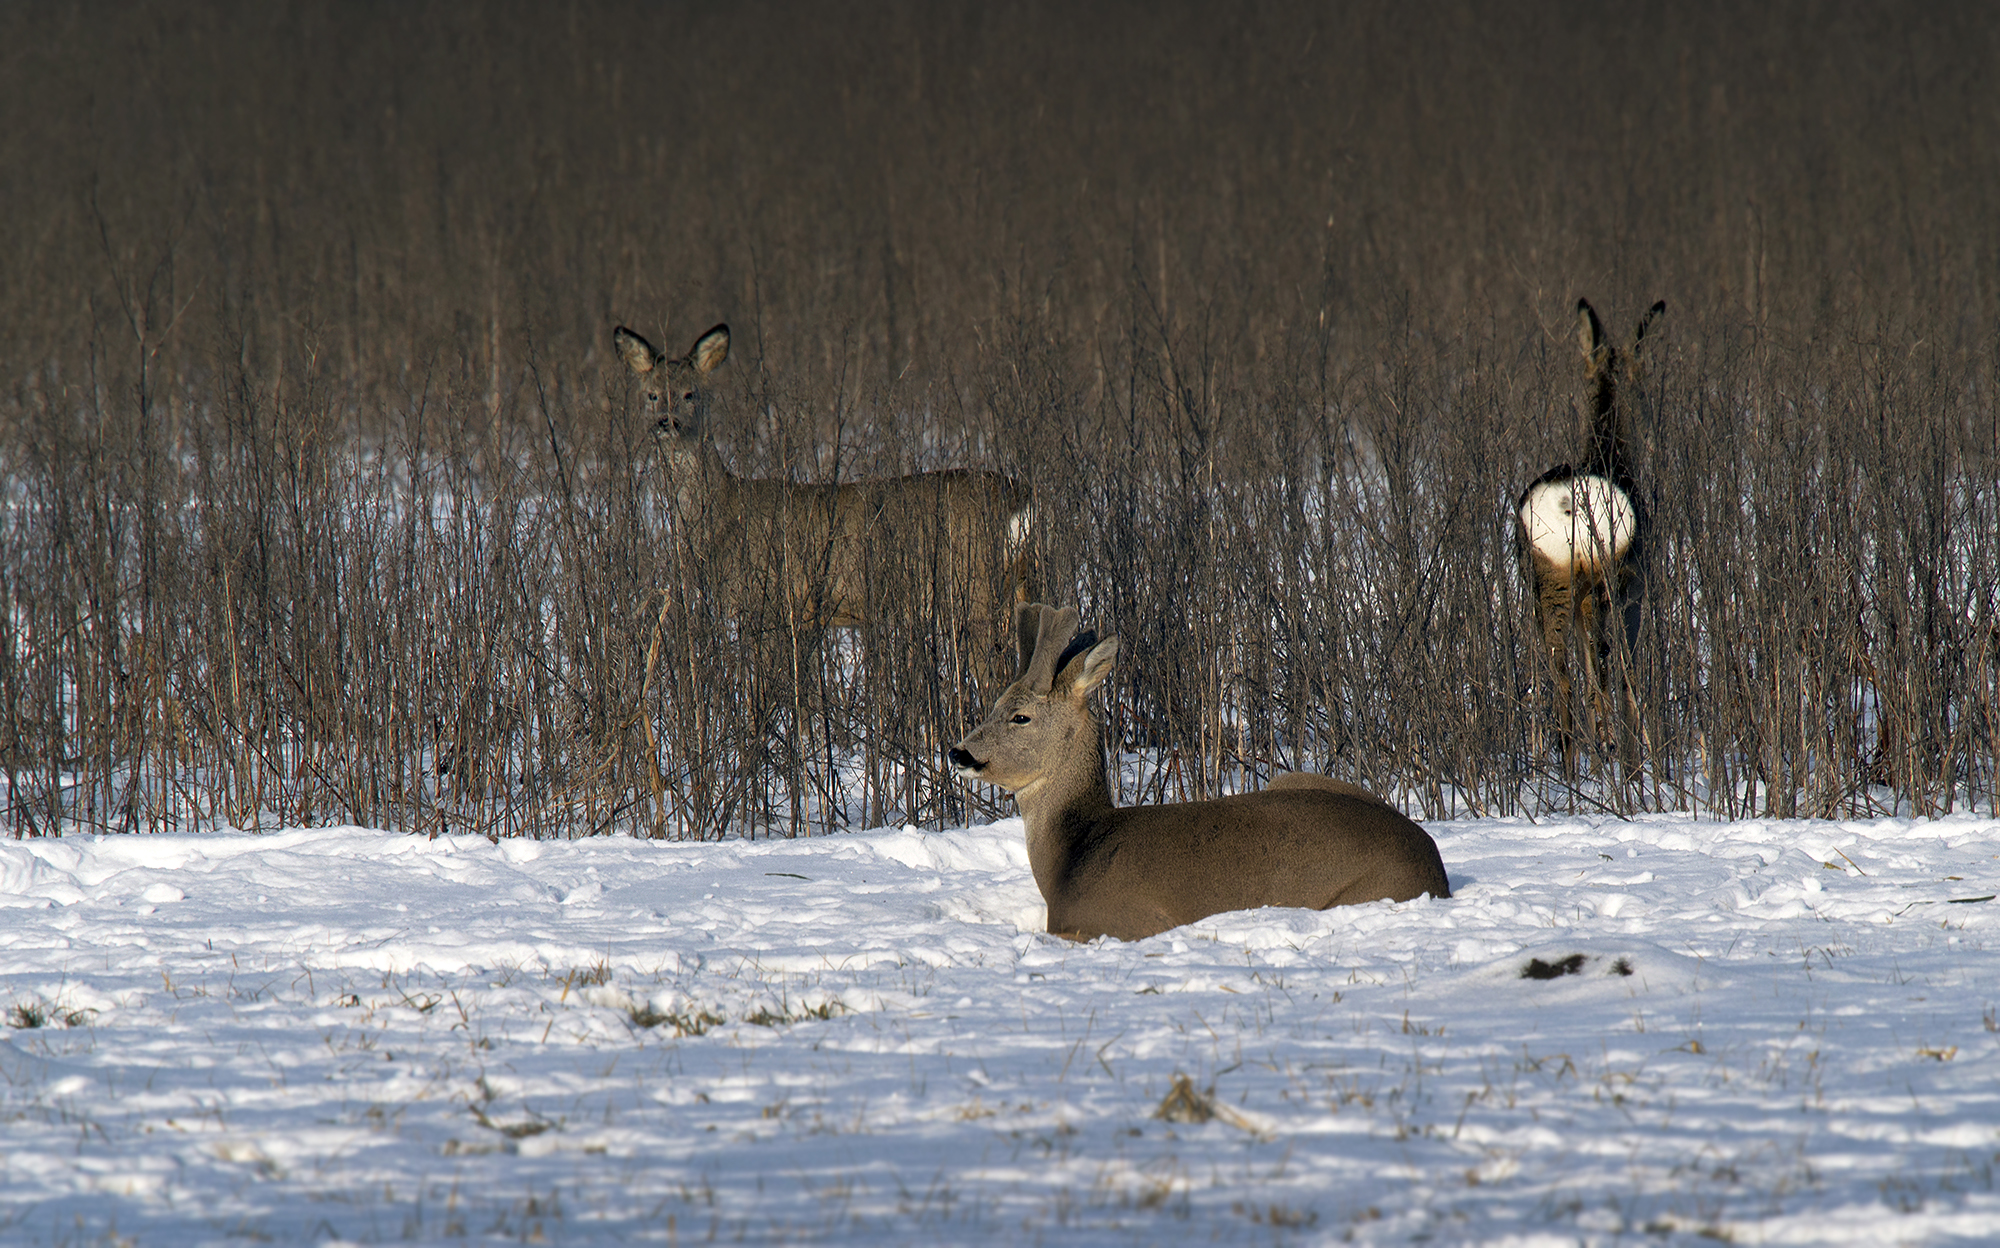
point(1590, 333)
point(1086, 671)
point(710, 350)
point(1027, 627)
point(1640, 355)
point(1646, 322)
point(1052, 639)
point(637, 353)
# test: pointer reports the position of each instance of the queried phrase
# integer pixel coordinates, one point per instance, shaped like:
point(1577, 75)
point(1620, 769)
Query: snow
point(341, 1035)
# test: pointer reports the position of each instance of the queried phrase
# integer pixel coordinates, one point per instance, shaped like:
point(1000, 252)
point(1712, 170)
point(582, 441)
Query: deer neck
point(1062, 807)
point(1607, 429)
point(697, 478)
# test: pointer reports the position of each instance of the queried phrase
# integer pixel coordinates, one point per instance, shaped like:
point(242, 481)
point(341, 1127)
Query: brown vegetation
point(323, 500)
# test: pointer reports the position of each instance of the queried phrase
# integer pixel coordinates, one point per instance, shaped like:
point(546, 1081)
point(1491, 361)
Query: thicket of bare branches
point(325, 498)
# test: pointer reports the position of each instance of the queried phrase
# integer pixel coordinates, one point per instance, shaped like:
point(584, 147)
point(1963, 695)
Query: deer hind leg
point(1633, 736)
point(1601, 667)
point(1553, 609)
point(1613, 705)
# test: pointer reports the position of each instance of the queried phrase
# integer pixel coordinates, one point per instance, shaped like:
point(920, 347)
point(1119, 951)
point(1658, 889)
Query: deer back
point(823, 550)
point(1141, 870)
point(1137, 871)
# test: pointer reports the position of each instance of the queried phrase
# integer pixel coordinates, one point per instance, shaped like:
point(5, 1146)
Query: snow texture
point(1659, 1031)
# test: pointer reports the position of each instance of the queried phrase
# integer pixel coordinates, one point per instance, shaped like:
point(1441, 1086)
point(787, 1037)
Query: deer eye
point(688, 397)
point(1021, 719)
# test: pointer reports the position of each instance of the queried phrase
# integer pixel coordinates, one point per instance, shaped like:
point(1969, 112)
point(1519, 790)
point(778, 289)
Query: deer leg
point(1552, 605)
point(1601, 669)
point(1565, 696)
point(1631, 729)
point(1632, 734)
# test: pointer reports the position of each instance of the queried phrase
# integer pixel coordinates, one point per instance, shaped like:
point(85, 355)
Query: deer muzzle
point(963, 763)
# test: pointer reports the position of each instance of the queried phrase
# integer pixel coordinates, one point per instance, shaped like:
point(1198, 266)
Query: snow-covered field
point(1774, 1033)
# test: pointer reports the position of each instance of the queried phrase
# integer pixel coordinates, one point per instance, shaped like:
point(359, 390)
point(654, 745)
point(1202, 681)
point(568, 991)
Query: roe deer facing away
point(1582, 530)
point(1307, 840)
point(966, 530)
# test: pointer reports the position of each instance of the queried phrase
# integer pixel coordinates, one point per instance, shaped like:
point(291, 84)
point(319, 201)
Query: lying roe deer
point(832, 540)
point(1134, 872)
point(1582, 530)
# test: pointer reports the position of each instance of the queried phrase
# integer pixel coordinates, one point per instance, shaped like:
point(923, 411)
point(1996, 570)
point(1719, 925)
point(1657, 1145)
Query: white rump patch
point(1583, 522)
point(1020, 526)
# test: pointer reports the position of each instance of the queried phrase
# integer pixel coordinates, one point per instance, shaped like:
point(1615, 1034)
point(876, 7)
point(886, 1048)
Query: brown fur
point(1308, 840)
point(970, 527)
point(1589, 592)
point(1313, 780)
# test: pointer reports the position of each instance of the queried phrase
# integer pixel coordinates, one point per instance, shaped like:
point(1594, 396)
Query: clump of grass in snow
point(1571, 965)
point(685, 1023)
point(696, 1020)
point(785, 1015)
point(593, 976)
point(28, 1015)
point(1185, 1103)
point(1538, 969)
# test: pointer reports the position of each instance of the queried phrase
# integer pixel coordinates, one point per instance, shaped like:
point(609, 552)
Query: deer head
point(674, 393)
point(1040, 729)
point(1139, 870)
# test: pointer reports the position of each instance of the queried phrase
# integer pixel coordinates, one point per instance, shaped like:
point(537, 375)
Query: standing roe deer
point(1134, 872)
point(1582, 530)
point(971, 530)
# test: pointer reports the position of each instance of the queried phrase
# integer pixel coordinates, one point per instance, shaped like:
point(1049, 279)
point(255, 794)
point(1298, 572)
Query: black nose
point(962, 759)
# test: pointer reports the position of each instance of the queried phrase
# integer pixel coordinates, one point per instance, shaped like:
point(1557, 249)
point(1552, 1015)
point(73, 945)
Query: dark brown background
point(323, 501)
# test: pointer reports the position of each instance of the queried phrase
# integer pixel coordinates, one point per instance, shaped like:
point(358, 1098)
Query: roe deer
point(1134, 872)
point(971, 530)
point(1582, 530)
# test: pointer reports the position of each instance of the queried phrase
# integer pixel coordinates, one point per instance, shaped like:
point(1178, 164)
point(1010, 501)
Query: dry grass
point(324, 502)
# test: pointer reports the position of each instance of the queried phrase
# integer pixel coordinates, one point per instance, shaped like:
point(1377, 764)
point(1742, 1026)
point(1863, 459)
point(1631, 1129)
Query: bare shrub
point(321, 501)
